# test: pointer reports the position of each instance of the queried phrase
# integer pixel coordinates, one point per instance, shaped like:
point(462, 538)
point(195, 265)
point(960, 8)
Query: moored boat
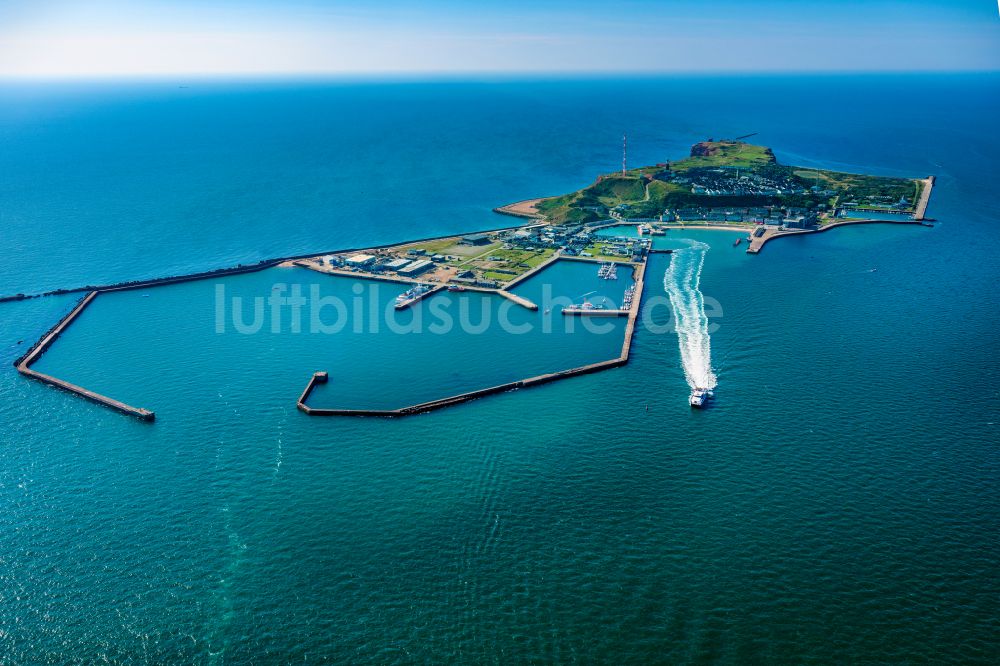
point(410, 296)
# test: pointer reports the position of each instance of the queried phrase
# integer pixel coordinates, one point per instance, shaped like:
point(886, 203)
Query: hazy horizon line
point(480, 74)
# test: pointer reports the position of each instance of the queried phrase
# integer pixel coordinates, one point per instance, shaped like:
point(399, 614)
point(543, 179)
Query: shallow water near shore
point(837, 502)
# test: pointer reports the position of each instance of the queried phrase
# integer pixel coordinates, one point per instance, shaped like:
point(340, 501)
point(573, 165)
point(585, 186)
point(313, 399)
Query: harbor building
point(475, 239)
point(416, 267)
point(360, 260)
point(396, 264)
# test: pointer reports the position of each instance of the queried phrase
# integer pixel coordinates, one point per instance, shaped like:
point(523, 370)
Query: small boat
point(699, 397)
point(738, 241)
point(627, 298)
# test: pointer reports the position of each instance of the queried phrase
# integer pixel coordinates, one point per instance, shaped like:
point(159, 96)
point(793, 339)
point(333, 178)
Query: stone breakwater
point(758, 242)
point(622, 359)
point(35, 352)
point(263, 264)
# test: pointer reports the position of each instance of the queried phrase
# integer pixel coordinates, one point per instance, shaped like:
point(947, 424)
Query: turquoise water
point(446, 345)
point(837, 503)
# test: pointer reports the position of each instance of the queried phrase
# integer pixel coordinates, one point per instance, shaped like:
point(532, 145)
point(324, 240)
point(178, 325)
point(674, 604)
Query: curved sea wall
point(757, 243)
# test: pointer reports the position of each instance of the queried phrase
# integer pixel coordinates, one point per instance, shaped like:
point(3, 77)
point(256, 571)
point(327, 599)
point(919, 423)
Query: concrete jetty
point(35, 352)
point(758, 242)
point(520, 300)
point(920, 213)
point(263, 264)
point(622, 359)
point(451, 400)
point(639, 277)
point(540, 267)
point(596, 312)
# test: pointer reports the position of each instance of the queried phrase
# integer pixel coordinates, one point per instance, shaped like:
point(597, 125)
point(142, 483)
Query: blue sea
point(838, 502)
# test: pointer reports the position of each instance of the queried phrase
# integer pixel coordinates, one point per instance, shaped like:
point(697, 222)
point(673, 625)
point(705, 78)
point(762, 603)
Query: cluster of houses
point(796, 218)
point(875, 202)
point(560, 236)
point(629, 249)
point(737, 181)
point(573, 240)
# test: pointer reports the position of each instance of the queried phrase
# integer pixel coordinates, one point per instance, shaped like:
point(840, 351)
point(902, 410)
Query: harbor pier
point(758, 242)
point(632, 313)
point(23, 366)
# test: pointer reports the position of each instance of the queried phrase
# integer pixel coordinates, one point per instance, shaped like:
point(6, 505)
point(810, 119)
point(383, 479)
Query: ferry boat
point(593, 310)
point(699, 397)
point(455, 287)
point(408, 297)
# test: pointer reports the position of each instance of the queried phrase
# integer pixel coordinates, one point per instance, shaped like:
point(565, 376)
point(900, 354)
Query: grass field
point(726, 153)
point(505, 265)
point(447, 246)
point(598, 249)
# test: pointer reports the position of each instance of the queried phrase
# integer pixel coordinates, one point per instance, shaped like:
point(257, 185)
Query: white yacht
point(699, 397)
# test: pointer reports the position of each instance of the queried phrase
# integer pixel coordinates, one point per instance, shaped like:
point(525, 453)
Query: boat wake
point(682, 281)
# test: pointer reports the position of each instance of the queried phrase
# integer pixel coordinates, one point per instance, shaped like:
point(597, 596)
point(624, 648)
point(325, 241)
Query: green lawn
point(597, 250)
point(505, 265)
point(726, 153)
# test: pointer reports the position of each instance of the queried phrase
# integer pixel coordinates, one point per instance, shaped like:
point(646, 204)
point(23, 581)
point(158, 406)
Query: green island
point(727, 181)
point(733, 184)
point(723, 184)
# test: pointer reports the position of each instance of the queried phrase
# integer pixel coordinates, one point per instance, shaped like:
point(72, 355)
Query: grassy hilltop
point(721, 174)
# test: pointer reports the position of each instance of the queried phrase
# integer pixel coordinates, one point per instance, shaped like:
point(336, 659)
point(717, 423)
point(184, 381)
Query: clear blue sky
point(208, 37)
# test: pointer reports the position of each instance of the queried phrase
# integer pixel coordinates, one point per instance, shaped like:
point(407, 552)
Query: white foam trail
point(682, 281)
